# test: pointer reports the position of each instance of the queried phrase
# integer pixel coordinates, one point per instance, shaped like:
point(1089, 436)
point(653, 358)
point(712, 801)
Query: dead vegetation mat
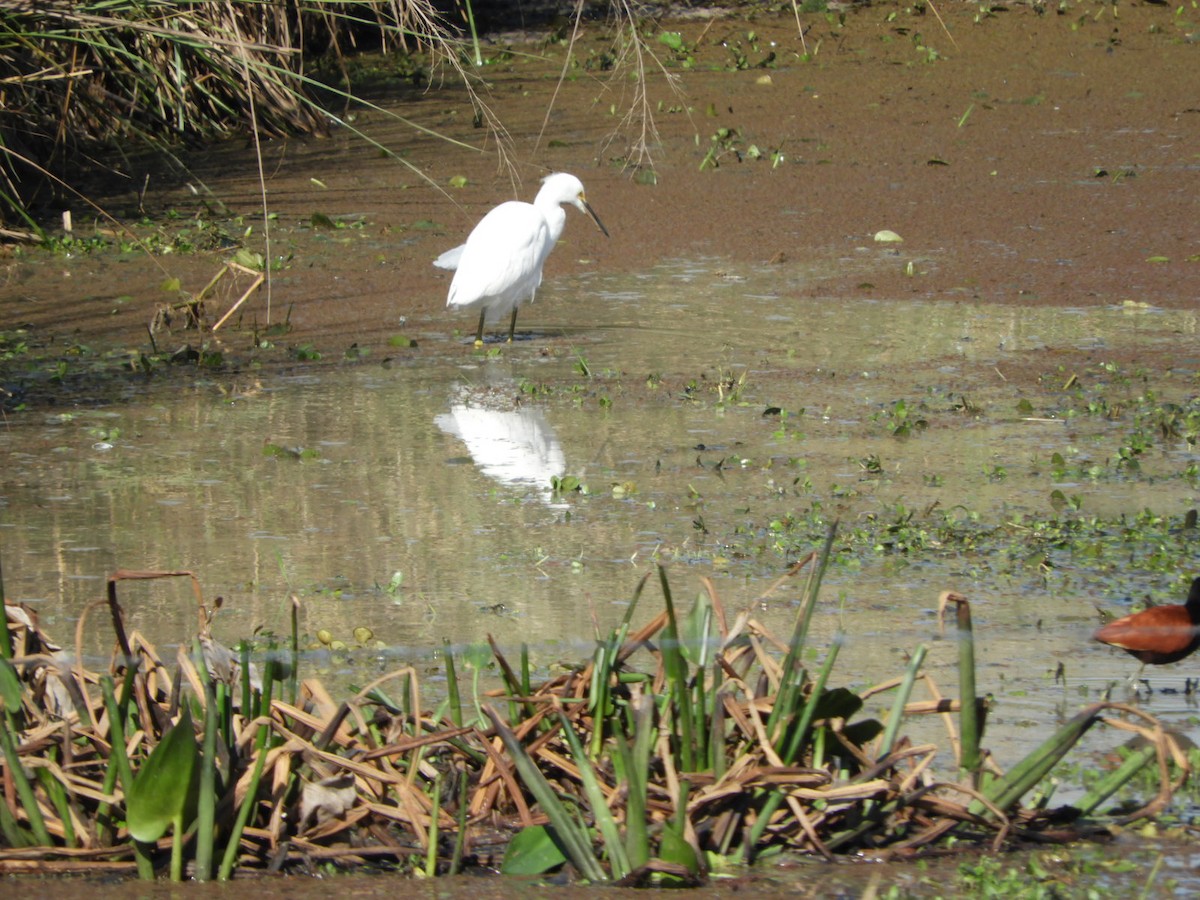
point(691, 739)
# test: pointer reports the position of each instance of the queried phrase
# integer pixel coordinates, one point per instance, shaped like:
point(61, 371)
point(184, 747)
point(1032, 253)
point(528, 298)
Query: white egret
point(500, 266)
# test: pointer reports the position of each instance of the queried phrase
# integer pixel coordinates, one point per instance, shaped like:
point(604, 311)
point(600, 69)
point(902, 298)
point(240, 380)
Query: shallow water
point(414, 496)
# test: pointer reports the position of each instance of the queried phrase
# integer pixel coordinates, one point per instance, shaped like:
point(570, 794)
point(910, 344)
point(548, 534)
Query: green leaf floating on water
point(165, 787)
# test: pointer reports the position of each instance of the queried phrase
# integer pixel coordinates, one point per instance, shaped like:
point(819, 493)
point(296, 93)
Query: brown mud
point(1026, 158)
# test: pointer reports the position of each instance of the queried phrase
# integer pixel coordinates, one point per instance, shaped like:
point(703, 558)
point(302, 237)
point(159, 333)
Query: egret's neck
point(556, 218)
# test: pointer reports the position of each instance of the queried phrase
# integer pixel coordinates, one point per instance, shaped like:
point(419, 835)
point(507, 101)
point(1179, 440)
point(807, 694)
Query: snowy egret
point(500, 265)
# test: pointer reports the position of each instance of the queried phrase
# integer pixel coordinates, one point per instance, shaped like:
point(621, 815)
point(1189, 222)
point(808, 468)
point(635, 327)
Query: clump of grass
point(691, 740)
point(80, 77)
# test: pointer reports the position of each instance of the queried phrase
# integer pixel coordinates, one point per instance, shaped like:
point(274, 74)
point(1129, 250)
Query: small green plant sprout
point(902, 420)
point(722, 144)
point(674, 41)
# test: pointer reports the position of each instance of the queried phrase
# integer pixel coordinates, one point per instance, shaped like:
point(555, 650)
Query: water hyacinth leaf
point(165, 786)
point(532, 851)
point(674, 848)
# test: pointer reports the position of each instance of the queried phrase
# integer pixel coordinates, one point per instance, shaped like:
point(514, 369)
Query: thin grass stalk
point(57, 795)
point(119, 769)
point(25, 792)
point(435, 811)
point(14, 835)
point(795, 745)
point(602, 815)
point(474, 35)
point(526, 680)
point(460, 836)
point(6, 649)
point(904, 691)
point(453, 698)
point(637, 837)
point(791, 675)
point(244, 672)
point(676, 669)
point(229, 859)
point(1115, 780)
point(604, 663)
point(206, 815)
point(294, 650)
point(575, 842)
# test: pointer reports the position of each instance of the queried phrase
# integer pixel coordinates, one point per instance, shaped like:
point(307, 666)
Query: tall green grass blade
point(791, 679)
point(892, 730)
point(25, 792)
point(676, 669)
point(15, 836)
point(11, 691)
point(58, 799)
point(792, 751)
point(455, 699)
point(601, 814)
point(120, 769)
point(572, 835)
point(474, 34)
point(229, 860)
point(460, 835)
point(293, 673)
point(794, 747)
point(634, 748)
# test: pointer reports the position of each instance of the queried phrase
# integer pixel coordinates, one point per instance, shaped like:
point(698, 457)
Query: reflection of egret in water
point(515, 447)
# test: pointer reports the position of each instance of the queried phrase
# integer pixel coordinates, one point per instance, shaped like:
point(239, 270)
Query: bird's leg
point(512, 326)
point(479, 331)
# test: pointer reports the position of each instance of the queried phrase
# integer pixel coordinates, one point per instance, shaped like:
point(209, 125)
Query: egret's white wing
point(449, 259)
point(501, 263)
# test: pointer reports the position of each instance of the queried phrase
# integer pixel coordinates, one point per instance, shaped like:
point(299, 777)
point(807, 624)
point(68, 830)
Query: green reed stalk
point(968, 714)
point(1115, 780)
point(1005, 792)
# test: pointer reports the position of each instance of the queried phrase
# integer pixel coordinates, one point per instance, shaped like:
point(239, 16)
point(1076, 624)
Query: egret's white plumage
point(500, 266)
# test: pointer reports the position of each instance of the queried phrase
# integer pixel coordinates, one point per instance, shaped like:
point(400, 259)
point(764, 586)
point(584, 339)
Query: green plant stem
point(968, 701)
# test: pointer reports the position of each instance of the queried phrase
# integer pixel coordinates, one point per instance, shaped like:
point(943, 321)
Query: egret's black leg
point(479, 332)
point(512, 326)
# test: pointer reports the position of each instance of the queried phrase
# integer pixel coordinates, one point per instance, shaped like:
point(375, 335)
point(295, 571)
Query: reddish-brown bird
point(1160, 634)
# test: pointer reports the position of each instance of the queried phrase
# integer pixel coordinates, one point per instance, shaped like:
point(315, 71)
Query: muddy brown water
point(1042, 172)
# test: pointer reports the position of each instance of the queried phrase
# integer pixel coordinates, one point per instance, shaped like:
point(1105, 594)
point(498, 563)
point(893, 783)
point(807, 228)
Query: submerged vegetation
point(694, 743)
